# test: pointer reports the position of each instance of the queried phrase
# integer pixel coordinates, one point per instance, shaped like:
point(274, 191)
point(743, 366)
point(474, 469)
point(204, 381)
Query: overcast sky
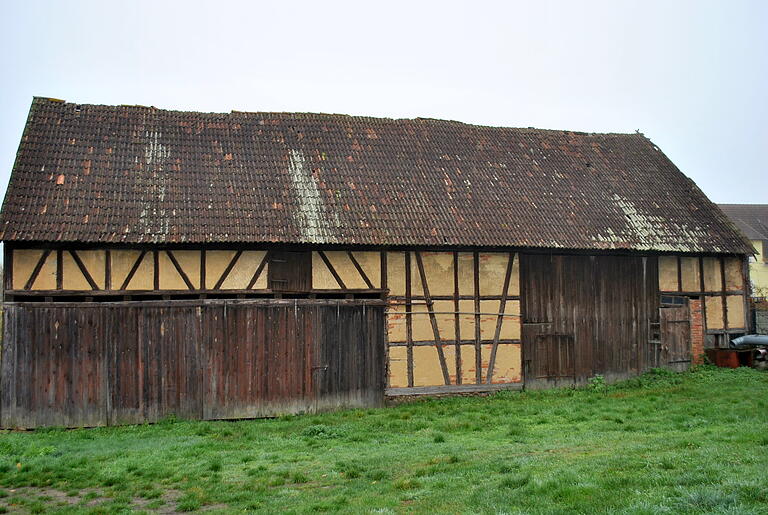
point(692, 76)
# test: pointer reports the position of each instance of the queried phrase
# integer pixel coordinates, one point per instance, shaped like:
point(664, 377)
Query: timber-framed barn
point(249, 264)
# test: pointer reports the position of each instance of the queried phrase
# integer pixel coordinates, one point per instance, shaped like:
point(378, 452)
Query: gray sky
point(692, 76)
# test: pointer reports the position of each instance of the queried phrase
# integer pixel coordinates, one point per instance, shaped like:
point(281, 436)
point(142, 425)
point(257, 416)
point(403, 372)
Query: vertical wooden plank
point(456, 317)
point(703, 288)
point(384, 284)
point(59, 269)
point(156, 269)
point(202, 271)
point(679, 274)
point(478, 350)
point(107, 269)
point(746, 295)
point(7, 268)
point(723, 295)
point(8, 361)
point(408, 318)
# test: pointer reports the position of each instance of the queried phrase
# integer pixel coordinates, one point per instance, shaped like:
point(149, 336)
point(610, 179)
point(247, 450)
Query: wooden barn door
point(585, 316)
point(549, 360)
point(349, 367)
point(675, 332)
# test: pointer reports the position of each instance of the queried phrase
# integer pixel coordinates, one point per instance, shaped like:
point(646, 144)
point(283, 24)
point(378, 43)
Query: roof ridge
point(309, 114)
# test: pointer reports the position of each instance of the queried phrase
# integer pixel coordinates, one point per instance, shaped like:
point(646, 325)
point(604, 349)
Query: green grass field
point(663, 443)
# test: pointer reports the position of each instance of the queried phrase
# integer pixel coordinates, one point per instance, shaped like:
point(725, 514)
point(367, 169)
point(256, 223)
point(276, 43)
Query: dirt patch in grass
point(45, 500)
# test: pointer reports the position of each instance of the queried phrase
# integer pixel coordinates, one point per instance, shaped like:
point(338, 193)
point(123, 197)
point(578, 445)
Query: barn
point(221, 266)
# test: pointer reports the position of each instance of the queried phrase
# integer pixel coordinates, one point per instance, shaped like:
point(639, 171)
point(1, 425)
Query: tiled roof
point(751, 219)
point(131, 174)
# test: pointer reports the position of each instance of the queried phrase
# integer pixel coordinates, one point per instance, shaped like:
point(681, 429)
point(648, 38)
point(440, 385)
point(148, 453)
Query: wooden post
point(408, 317)
point(478, 348)
point(107, 270)
point(723, 296)
point(59, 269)
point(456, 316)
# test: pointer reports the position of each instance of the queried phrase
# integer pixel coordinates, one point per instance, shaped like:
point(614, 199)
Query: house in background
point(752, 220)
point(249, 264)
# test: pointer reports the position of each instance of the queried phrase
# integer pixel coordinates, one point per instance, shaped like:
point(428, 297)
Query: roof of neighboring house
point(133, 174)
point(751, 219)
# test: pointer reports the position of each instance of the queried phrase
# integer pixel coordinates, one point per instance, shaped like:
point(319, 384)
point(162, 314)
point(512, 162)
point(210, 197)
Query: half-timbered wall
point(719, 281)
point(124, 270)
point(453, 317)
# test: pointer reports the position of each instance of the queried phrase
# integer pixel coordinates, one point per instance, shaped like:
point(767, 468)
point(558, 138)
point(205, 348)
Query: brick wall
point(697, 332)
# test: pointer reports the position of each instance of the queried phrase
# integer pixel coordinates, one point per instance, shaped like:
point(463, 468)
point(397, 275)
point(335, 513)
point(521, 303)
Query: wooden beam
point(7, 268)
point(383, 271)
point(156, 269)
point(331, 269)
point(258, 271)
point(133, 270)
point(456, 317)
point(36, 270)
point(679, 274)
point(227, 270)
point(747, 293)
point(442, 390)
point(470, 342)
point(59, 269)
point(360, 270)
point(723, 297)
point(178, 268)
point(107, 269)
point(84, 270)
point(202, 269)
point(478, 348)
point(502, 309)
point(703, 299)
point(408, 318)
point(432, 319)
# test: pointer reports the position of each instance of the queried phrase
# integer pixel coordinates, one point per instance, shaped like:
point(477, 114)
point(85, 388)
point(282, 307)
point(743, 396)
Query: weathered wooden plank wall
point(586, 315)
point(88, 364)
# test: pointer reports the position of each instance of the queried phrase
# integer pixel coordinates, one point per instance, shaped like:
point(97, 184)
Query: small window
point(669, 300)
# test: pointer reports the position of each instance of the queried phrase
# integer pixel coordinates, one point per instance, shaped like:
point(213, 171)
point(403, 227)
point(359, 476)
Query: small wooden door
point(549, 360)
point(290, 271)
point(675, 335)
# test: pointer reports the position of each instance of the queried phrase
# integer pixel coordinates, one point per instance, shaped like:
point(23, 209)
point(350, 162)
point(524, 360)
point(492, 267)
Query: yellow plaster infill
point(712, 276)
point(73, 277)
point(243, 271)
point(735, 307)
point(689, 273)
point(668, 273)
point(24, 263)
